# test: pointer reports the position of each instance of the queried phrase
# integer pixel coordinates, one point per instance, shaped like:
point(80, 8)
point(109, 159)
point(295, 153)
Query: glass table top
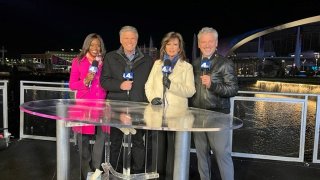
point(132, 114)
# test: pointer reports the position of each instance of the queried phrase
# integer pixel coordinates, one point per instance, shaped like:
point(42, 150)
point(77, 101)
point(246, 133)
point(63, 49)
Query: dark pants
point(92, 156)
point(138, 150)
point(163, 150)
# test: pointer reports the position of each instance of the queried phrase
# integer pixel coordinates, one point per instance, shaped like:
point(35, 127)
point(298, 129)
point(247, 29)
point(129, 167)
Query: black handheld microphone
point(93, 69)
point(128, 75)
point(166, 68)
point(205, 66)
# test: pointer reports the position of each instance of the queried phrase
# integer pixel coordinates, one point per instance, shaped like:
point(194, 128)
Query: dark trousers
point(92, 156)
point(137, 150)
point(163, 151)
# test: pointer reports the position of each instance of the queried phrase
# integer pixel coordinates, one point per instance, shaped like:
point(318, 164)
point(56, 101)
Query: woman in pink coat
point(86, 83)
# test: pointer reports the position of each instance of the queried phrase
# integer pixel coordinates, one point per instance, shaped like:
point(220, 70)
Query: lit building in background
point(50, 61)
point(153, 52)
point(290, 49)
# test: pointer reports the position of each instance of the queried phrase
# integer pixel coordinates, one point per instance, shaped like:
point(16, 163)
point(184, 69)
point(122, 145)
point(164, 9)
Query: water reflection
point(273, 128)
point(43, 127)
point(287, 87)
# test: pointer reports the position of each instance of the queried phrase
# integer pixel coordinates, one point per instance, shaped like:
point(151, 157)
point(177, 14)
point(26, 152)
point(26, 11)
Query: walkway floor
point(36, 159)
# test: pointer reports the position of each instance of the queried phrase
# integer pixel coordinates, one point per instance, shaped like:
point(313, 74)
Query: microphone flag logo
point(205, 65)
point(166, 69)
point(128, 75)
point(93, 69)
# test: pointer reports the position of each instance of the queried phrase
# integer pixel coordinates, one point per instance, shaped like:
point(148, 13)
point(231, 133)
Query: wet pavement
point(36, 159)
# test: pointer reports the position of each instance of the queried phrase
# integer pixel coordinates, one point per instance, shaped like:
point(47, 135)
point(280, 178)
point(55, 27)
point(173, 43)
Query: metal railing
point(263, 128)
point(278, 123)
point(4, 98)
point(30, 126)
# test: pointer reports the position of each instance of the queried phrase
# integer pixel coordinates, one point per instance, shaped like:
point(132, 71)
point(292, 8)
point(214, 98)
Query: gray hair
point(206, 30)
point(130, 29)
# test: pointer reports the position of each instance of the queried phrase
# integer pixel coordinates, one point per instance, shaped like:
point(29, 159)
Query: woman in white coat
point(170, 83)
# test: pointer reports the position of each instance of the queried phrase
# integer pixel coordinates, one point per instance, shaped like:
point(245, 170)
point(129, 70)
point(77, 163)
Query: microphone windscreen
point(94, 67)
point(205, 59)
point(166, 69)
point(95, 63)
point(127, 69)
point(167, 62)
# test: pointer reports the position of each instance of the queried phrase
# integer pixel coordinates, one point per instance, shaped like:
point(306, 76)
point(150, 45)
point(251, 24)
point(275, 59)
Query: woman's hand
point(88, 79)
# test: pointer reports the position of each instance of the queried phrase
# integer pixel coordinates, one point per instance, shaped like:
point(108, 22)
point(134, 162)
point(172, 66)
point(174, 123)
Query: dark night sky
point(34, 26)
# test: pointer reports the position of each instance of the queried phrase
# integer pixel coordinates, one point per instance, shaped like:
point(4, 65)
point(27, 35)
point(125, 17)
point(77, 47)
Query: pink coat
point(79, 70)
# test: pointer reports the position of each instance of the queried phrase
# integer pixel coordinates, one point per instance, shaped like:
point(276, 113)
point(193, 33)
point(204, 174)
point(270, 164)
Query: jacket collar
point(138, 59)
point(137, 56)
point(177, 71)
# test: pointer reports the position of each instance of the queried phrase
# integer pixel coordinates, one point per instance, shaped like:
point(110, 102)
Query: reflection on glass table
point(142, 116)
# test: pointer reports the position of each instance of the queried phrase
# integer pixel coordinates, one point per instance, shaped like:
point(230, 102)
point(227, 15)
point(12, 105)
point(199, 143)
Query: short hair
point(208, 30)
point(130, 29)
point(87, 42)
point(167, 38)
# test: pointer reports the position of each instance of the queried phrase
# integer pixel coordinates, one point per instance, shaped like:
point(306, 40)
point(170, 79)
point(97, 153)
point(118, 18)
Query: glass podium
point(181, 120)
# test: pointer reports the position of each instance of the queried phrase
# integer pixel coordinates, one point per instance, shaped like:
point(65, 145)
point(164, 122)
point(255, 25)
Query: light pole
point(316, 56)
point(303, 64)
point(283, 68)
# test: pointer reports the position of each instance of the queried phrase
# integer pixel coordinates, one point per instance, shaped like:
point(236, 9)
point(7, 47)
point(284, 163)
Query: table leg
point(126, 165)
point(182, 155)
point(126, 154)
point(63, 148)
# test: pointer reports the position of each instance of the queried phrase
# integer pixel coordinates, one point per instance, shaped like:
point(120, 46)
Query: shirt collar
point(131, 55)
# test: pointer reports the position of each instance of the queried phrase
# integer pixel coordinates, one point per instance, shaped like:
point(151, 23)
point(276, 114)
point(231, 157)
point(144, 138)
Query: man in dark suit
point(129, 60)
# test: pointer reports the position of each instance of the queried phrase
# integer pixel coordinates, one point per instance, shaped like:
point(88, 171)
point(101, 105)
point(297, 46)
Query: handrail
point(4, 88)
point(60, 87)
point(301, 100)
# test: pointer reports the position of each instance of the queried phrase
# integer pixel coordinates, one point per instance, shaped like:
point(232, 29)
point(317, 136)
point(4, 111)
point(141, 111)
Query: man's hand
point(126, 85)
point(126, 131)
point(206, 81)
point(125, 118)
